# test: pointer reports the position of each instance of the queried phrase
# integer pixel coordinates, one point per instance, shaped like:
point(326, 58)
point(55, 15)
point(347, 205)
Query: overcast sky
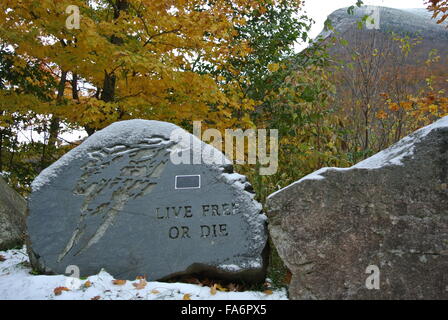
point(320, 9)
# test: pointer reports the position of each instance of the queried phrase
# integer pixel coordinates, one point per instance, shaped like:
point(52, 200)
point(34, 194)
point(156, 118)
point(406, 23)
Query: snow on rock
point(252, 215)
point(131, 132)
point(390, 210)
point(391, 156)
point(16, 282)
point(403, 148)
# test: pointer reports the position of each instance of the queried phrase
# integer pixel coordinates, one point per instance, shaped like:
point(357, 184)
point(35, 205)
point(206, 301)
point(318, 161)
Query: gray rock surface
point(388, 211)
point(405, 22)
point(12, 217)
point(119, 202)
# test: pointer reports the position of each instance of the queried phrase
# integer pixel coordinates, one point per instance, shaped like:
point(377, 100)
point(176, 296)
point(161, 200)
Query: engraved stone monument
point(119, 202)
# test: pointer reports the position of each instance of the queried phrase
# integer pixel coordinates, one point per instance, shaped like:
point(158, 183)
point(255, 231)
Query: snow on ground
point(16, 282)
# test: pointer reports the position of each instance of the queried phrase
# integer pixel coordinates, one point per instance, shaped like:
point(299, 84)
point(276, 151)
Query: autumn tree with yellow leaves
point(151, 59)
point(402, 115)
point(439, 8)
point(137, 57)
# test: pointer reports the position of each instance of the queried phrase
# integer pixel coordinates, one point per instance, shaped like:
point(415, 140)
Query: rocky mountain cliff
point(412, 22)
point(428, 39)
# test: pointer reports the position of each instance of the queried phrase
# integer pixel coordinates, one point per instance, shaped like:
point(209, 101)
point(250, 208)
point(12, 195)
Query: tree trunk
point(1, 150)
point(366, 133)
point(74, 82)
point(110, 79)
point(54, 124)
point(108, 93)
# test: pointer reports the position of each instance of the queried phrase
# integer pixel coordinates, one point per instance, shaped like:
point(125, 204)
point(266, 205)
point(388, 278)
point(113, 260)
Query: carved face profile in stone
point(118, 202)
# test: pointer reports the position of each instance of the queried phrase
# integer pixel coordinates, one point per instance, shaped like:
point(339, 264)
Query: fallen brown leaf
point(221, 288)
point(119, 282)
point(140, 285)
point(154, 291)
point(187, 296)
point(267, 292)
point(213, 290)
point(58, 291)
point(95, 298)
point(87, 284)
point(2, 258)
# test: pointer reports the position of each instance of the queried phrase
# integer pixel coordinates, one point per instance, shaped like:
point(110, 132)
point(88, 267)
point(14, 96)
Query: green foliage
point(309, 130)
point(351, 9)
point(35, 272)
point(271, 35)
point(29, 82)
point(277, 271)
point(25, 76)
point(292, 93)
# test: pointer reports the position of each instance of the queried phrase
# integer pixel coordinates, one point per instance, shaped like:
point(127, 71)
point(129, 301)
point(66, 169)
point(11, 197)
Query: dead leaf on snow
point(119, 282)
point(140, 285)
point(187, 296)
point(221, 288)
point(58, 291)
point(213, 290)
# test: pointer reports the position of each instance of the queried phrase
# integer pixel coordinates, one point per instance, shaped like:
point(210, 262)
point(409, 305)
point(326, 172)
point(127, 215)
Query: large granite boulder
point(136, 200)
point(12, 217)
point(377, 230)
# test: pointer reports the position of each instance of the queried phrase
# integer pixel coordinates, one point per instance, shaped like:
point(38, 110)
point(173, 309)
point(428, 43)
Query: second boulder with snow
point(377, 230)
point(146, 198)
